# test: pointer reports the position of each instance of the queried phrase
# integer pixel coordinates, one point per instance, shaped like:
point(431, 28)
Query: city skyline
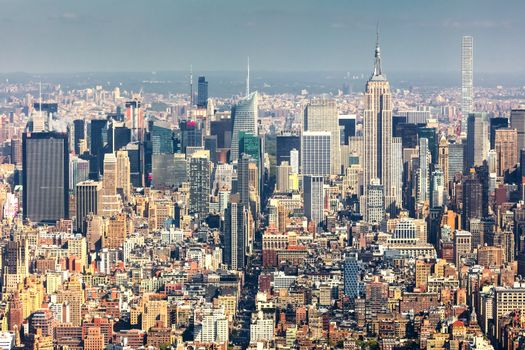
point(277, 36)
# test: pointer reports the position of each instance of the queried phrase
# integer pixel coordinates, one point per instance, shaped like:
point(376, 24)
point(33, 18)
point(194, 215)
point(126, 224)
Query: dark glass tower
point(202, 97)
point(45, 161)
point(79, 126)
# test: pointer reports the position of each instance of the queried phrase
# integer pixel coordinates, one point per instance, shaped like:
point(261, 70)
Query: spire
point(377, 63)
point(248, 78)
point(191, 85)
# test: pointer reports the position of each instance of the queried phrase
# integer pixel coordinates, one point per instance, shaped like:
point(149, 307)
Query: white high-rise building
point(294, 161)
point(375, 204)
point(244, 115)
point(467, 93)
point(315, 153)
point(321, 115)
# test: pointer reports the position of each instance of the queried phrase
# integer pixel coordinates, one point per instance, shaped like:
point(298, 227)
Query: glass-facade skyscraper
point(45, 162)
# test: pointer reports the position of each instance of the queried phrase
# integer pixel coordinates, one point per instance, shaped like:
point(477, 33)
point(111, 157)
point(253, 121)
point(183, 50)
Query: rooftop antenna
point(191, 86)
point(248, 78)
point(40, 98)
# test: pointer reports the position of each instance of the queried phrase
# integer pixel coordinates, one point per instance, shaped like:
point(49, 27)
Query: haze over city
point(262, 175)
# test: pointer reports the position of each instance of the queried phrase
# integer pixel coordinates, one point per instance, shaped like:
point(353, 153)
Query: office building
point(98, 139)
point(87, 200)
point(45, 162)
point(123, 174)
point(285, 143)
point(315, 153)
point(235, 233)
point(313, 194)
point(423, 172)
point(467, 91)
point(506, 146)
point(495, 124)
point(472, 199)
point(477, 146)
point(79, 132)
point(517, 121)
point(462, 245)
point(377, 134)
point(456, 164)
point(202, 93)
point(375, 204)
point(443, 159)
point(351, 275)
point(199, 173)
point(244, 117)
point(321, 116)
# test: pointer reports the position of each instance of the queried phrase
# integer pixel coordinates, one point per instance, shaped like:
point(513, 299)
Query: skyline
point(171, 36)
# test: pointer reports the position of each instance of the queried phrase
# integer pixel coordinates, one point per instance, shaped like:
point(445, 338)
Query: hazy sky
point(157, 35)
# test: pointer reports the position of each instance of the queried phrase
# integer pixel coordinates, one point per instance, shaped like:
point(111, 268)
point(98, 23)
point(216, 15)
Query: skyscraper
point(313, 190)
point(377, 133)
point(244, 115)
point(79, 132)
point(506, 146)
point(443, 159)
point(467, 93)
point(423, 181)
point(456, 164)
point(45, 159)
point(495, 124)
point(199, 173)
point(321, 115)
point(99, 138)
point(286, 142)
point(375, 203)
point(235, 233)
point(202, 93)
point(477, 146)
point(123, 173)
point(351, 276)
point(87, 198)
point(315, 153)
point(517, 121)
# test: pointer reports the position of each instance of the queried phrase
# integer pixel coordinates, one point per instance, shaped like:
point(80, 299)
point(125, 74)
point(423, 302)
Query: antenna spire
point(248, 78)
point(377, 63)
point(191, 86)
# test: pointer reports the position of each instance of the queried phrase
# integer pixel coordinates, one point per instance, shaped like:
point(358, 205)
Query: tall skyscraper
point(286, 142)
point(315, 153)
point(313, 190)
point(199, 173)
point(443, 159)
point(123, 173)
point(517, 121)
point(456, 163)
point(202, 93)
point(472, 199)
point(79, 132)
point(45, 159)
point(467, 92)
point(321, 115)
point(235, 233)
point(506, 146)
point(377, 134)
point(244, 115)
point(495, 124)
point(351, 276)
point(477, 146)
point(423, 173)
point(98, 139)
point(87, 198)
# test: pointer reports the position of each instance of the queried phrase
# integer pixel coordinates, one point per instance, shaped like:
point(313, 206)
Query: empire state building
point(377, 136)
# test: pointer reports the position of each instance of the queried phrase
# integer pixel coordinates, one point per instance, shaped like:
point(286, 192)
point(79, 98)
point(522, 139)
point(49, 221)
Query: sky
point(61, 36)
